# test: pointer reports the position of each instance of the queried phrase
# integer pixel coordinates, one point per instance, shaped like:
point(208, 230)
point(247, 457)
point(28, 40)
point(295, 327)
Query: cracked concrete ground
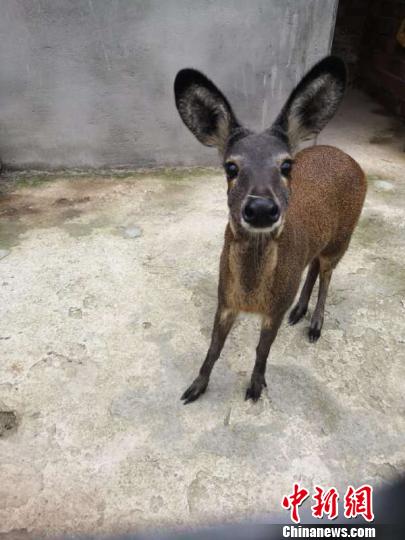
point(108, 287)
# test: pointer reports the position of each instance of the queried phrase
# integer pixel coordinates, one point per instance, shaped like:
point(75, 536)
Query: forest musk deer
point(286, 211)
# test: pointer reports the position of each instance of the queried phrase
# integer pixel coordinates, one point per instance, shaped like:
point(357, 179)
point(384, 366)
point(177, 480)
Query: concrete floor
point(108, 290)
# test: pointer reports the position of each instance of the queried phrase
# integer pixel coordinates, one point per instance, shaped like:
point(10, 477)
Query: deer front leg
point(223, 323)
point(267, 335)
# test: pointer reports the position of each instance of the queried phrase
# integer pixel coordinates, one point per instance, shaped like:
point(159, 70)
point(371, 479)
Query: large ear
point(313, 102)
point(204, 109)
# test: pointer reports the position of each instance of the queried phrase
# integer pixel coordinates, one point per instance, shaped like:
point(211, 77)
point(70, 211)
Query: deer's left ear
point(313, 102)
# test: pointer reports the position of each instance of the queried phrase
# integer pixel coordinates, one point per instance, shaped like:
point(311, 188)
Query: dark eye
point(286, 167)
point(231, 170)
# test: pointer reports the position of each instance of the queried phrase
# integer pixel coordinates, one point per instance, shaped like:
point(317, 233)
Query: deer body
point(261, 275)
point(285, 214)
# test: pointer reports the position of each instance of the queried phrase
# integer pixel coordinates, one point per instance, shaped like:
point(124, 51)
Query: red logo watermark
point(293, 502)
point(357, 502)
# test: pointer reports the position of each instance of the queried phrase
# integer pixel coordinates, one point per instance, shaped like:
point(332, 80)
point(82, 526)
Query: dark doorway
point(370, 36)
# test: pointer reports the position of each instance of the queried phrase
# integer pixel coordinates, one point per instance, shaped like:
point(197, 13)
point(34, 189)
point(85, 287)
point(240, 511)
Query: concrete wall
point(89, 82)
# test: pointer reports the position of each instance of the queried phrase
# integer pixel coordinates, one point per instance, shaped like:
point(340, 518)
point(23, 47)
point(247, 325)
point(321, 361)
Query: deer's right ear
point(204, 109)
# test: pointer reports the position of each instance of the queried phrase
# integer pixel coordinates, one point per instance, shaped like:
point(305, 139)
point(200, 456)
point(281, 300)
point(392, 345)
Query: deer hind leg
point(301, 307)
point(328, 260)
point(325, 274)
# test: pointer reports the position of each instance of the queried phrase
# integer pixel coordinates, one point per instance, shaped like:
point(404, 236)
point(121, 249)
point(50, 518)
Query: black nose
point(260, 212)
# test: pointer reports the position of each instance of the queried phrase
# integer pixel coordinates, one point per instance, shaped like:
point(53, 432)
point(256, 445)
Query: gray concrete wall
point(88, 83)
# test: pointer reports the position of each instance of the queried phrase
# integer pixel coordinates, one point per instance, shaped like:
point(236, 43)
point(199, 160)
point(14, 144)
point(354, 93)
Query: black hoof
point(314, 334)
point(296, 314)
point(194, 391)
point(255, 389)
